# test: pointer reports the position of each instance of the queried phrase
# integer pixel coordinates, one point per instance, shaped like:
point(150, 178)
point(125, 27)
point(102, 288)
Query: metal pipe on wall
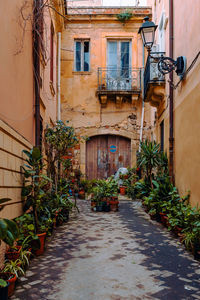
point(58, 84)
point(171, 92)
point(142, 115)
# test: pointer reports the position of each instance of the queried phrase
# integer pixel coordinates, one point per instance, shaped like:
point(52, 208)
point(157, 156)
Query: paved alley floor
point(117, 256)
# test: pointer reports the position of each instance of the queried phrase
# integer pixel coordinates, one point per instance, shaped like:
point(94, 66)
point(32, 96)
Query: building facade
point(177, 35)
point(28, 86)
point(102, 66)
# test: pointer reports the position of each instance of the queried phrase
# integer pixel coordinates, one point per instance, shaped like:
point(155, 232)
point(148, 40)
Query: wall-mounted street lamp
point(165, 64)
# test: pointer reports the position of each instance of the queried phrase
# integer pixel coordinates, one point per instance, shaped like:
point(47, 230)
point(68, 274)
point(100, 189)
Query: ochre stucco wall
point(80, 103)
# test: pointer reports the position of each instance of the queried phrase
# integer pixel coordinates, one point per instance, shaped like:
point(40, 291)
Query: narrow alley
point(102, 256)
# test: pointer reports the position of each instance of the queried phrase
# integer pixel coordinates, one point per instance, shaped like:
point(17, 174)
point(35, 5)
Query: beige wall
point(11, 160)
point(16, 72)
point(186, 96)
point(80, 103)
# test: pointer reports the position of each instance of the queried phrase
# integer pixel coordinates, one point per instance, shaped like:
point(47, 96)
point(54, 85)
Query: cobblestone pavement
point(117, 256)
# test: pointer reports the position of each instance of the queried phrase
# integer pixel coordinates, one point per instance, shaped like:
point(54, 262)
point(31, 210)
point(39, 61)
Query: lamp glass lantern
point(147, 31)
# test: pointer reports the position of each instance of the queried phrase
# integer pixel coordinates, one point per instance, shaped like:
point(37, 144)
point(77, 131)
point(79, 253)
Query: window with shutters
point(82, 56)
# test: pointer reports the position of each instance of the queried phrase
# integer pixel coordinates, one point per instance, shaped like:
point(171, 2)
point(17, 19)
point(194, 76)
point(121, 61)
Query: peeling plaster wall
point(80, 103)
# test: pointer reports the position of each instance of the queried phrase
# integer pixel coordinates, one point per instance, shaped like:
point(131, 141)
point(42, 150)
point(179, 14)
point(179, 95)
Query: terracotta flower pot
point(81, 194)
point(42, 237)
point(114, 205)
point(122, 190)
point(13, 254)
point(11, 286)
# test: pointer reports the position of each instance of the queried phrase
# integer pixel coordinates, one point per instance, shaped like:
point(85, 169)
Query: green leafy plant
point(105, 189)
point(27, 237)
point(13, 267)
point(34, 183)
point(149, 158)
point(124, 16)
point(8, 229)
point(24, 258)
point(3, 283)
point(58, 140)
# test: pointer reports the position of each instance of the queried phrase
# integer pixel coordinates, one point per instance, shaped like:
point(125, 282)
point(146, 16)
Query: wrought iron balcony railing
point(151, 73)
point(114, 79)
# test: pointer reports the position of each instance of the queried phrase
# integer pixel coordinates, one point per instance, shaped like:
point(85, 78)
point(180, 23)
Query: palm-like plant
point(148, 157)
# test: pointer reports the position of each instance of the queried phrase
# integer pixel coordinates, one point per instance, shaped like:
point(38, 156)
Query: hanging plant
point(125, 16)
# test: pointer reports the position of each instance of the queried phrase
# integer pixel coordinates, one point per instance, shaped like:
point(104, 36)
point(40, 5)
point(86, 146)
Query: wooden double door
point(105, 154)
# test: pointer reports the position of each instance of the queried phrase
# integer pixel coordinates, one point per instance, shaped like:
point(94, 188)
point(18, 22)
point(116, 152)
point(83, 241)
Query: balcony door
point(118, 65)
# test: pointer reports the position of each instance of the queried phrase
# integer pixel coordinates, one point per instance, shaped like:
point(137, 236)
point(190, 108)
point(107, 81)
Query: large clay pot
point(42, 237)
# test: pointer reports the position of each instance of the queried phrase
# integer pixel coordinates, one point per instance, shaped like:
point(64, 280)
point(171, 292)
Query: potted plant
point(103, 193)
point(11, 271)
point(8, 233)
point(13, 252)
point(27, 237)
point(33, 191)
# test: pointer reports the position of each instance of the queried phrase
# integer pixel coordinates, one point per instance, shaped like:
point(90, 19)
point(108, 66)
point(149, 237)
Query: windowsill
point(81, 72)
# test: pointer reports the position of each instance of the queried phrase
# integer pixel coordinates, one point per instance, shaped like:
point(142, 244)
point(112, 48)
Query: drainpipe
point(36, 66)
point(171, 93)
point(58, 87)
point(142, 116)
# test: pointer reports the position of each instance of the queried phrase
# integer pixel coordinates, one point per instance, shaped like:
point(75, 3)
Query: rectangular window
point(82, 55)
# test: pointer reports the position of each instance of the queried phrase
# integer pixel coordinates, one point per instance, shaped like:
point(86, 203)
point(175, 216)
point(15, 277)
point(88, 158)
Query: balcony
point(118, 84)
point(154, 80)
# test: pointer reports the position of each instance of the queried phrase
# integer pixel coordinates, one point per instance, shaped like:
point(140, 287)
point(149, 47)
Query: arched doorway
point(105, 154)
